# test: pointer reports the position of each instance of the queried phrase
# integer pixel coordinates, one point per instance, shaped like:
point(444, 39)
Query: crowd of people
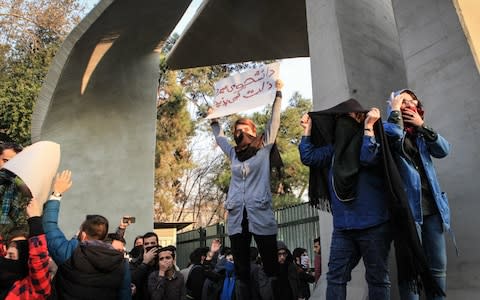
point(377, 179)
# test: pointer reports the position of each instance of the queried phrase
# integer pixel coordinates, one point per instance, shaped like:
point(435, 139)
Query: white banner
point(245, 91)
point(36, 165)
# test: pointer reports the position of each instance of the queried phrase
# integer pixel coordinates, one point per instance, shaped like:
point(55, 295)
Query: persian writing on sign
point(245, 91)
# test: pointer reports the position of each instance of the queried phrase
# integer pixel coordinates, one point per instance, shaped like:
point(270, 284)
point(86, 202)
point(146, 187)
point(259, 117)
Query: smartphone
point(129, 219)
point(304, 261)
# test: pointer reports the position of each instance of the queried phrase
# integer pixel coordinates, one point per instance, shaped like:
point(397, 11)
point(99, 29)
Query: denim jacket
point(410, 176)
point(369, 208)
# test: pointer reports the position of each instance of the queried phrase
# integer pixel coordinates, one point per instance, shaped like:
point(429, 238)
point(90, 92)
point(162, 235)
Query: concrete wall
point(441, 69)
point(355, 53)
point(106, 128)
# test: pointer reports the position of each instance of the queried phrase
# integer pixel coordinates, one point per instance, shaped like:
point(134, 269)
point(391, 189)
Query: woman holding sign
point(249, 200)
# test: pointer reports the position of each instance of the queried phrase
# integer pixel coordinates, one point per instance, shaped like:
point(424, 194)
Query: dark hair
point(15, 233)
point(150, 234)
point(316, 240)
point(196, 255)
point(13, 146)
point(137, 238)
point(95, 227)
point(170, 248)
point(225, 251)
point(114, 237)
point(411, 93)
point(297, 252)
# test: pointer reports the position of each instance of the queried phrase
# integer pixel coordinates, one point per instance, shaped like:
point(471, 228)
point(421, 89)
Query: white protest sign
point(36, 165)
point(245, 91)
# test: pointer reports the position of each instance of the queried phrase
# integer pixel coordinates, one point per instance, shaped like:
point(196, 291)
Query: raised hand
point(306, 123)
point(279, 84)
point(215, 246)
point(372, 116)
point(62, 182)
point(395, 101)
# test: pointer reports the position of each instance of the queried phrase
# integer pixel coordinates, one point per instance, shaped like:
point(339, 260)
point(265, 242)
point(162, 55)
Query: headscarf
point(248, 145)
point(411, 130)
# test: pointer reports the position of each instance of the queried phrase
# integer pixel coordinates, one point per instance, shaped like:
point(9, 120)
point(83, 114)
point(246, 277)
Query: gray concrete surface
point(107, 134)
point(238, 31)
point(354, 53)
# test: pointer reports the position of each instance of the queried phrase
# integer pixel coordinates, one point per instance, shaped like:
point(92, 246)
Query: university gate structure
point(98, 100)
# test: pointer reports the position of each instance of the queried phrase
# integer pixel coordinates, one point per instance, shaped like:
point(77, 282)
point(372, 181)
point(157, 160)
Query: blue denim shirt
point(369, 208)
point(410, 176)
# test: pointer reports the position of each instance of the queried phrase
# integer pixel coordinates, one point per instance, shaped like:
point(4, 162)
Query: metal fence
point(297, 226)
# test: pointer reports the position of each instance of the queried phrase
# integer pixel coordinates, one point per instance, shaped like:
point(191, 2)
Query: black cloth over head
point(324, 132)
point(412, 265)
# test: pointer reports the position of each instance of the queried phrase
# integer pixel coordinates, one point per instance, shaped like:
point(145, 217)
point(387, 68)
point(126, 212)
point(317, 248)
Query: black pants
point(267, 247)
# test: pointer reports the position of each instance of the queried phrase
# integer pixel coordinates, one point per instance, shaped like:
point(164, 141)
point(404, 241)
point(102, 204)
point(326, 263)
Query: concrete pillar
point(355, 53)
point(99, 103)
point(441, 69)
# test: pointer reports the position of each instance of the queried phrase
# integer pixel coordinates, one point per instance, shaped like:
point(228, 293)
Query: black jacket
point(93, 272)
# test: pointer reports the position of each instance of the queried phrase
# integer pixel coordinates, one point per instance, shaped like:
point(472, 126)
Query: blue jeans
point(433, 242)
point(348, 246)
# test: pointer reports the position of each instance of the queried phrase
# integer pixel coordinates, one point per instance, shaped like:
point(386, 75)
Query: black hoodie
point(95, 271)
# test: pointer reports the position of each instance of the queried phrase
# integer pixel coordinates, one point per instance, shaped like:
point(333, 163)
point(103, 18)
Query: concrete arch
point(98, 102)
point(362, 49)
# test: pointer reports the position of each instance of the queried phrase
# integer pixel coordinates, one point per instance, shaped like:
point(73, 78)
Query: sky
point(294, 72)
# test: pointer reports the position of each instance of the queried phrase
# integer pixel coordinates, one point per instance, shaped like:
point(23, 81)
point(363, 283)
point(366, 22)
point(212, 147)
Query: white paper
point(245, 91)
point(36, 165)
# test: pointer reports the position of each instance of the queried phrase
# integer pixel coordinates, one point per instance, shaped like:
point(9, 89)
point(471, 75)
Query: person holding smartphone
point(302, 262)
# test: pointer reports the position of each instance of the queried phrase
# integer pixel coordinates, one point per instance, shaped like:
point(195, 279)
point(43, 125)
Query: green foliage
point(20, 83)
point(30, 34)
point(174, 130)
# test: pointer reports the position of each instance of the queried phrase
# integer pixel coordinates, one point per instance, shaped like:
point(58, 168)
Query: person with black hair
point(7, 151)
point(88, 267)
point(413, 144)
point(117, 241)
point(146, 263)
point(200, 271)
point(167, 283)
point(302, 262)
